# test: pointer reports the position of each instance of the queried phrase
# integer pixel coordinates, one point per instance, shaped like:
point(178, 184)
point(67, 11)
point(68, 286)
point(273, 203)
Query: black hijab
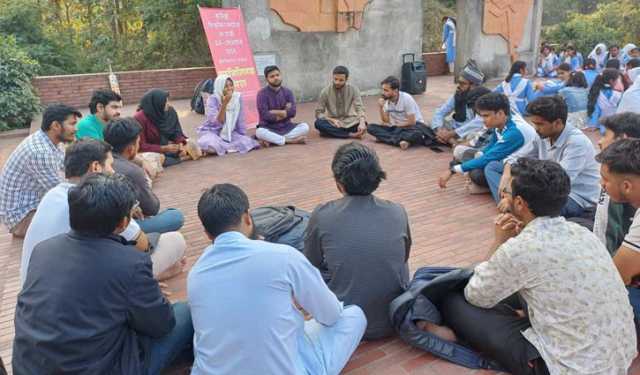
point(153, 104)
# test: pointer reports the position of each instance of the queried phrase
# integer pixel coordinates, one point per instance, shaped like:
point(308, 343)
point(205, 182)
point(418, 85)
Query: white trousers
point(265, 134)
point(169, 250)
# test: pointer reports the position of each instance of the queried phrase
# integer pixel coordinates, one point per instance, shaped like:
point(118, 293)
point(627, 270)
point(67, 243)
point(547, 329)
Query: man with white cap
point(463, 121)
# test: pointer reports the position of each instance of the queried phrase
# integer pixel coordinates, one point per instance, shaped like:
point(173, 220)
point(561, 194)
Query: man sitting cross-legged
point(34, 167)
point(613, 219)
point(569, 312)
point(124, 135)
point(464, 120)
point(340, 112)
point(52, 216)
point(361, 243)
point(400, 115)
point(276, 107)
point(90, 303)
point(506, 138)
point(244, 296)
point(561, 143)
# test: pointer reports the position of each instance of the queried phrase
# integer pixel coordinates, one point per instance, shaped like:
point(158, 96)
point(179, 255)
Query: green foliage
point(18, 101)
point(558, 11)
point(434, 10)
point(85, 36)
point(612, 23)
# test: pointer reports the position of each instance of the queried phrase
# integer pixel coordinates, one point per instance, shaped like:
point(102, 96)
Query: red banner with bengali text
point(232, 55)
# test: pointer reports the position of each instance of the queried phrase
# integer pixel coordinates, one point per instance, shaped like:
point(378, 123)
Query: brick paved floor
point(448, 227)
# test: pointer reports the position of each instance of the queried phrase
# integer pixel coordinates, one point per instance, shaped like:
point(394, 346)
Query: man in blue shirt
point(249, 300)
point(495, 109)
point(566, 145)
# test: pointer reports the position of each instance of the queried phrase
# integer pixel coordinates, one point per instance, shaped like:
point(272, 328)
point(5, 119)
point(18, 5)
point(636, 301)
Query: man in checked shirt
point(34, 167)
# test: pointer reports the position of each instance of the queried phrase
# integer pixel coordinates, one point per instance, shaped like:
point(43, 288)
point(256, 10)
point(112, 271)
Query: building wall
point(389, 29)
point(75, 90)
point(491, 52)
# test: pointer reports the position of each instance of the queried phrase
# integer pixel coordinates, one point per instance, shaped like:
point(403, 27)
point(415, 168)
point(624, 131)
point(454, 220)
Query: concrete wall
point(491, 52)
point(390, 28)
point(76, 89)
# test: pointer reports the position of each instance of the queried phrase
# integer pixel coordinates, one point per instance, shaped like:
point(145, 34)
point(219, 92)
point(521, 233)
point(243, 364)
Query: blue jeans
point(169, 220)
point(571, 209)
point(634, 298)
point(493, 173)
point(163, 351)
point(325, 350)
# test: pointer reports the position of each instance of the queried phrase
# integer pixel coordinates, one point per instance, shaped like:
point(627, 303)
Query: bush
point(18, 101)
point(612, 23)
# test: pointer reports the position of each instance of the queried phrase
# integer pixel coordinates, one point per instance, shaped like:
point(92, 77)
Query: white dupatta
point(233, 107)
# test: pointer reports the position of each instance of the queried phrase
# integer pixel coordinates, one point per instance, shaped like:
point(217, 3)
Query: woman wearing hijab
point(449, 40)
point(224, 128)
point(599, 54)
point(161, 129)
point(626, 53)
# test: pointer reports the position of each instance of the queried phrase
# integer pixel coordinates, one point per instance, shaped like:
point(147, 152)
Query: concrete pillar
point(491, 52)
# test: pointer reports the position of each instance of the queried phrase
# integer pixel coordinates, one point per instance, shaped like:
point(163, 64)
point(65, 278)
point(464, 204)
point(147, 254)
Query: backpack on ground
point(197, 100)
point(281, 224)
point(420, 302)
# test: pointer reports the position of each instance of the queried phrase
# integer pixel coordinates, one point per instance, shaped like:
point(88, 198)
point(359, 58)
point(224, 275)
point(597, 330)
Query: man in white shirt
point(572, 315)
point(400, 115)
point(630, 101)
point(83, 158)
point(247, 299)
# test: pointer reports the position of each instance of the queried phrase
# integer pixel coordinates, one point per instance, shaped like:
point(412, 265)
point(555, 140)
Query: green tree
point(434, 10)
point(18, 100)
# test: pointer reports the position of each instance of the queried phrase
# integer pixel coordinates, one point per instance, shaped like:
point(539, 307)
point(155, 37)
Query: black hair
point(392, 81)
point(341, 70)
point(103, 97)
point(545, 46)
point(221, 208)
point(543, 184)
point(614, 46)
point(59, 113)
point(357, 168)
point(270, 68)
point(622, 156)
point(577, 79)
point(601, 81)
point(121, 133)
point(99, 203)
point(612, 64)
point(495, 102)
point(445, 18)
point(550, 108)
point(621, 124)
point(589, 63)
point(515, 68)
point(633, 63)
point(474, 94)
point(565, 67)
point(570, 47)
point(80, 154)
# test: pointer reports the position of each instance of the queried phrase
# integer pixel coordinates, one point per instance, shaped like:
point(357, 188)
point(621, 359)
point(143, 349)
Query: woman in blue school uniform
point(517, 88)
point(604, 97)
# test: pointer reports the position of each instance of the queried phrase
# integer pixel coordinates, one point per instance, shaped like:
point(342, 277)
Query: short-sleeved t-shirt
point(632, 239)
point(399, 111)
point(612, 222)
point(90, 127)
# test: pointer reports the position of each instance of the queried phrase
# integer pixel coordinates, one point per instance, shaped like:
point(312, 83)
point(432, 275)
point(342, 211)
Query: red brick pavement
point(448, 227)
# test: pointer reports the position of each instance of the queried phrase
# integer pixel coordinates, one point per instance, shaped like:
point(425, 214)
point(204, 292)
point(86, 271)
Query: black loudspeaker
point(414, 75)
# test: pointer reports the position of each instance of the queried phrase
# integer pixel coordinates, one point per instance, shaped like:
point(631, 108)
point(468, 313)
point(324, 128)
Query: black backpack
point(282, 224)
point(197, 102)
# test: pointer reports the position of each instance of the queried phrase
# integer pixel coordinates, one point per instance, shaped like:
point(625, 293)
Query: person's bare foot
point(264, 144)
point(359, 134)
point(297, 140)
point(443, 332)
point(404, 145)
point(174, 270)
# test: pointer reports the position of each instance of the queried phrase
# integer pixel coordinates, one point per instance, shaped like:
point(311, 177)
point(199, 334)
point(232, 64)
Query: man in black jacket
point(90, 303)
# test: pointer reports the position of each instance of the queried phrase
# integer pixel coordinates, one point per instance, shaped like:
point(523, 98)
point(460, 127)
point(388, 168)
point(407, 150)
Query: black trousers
point(393, 135)
point(326, 129)
point(494, 332)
